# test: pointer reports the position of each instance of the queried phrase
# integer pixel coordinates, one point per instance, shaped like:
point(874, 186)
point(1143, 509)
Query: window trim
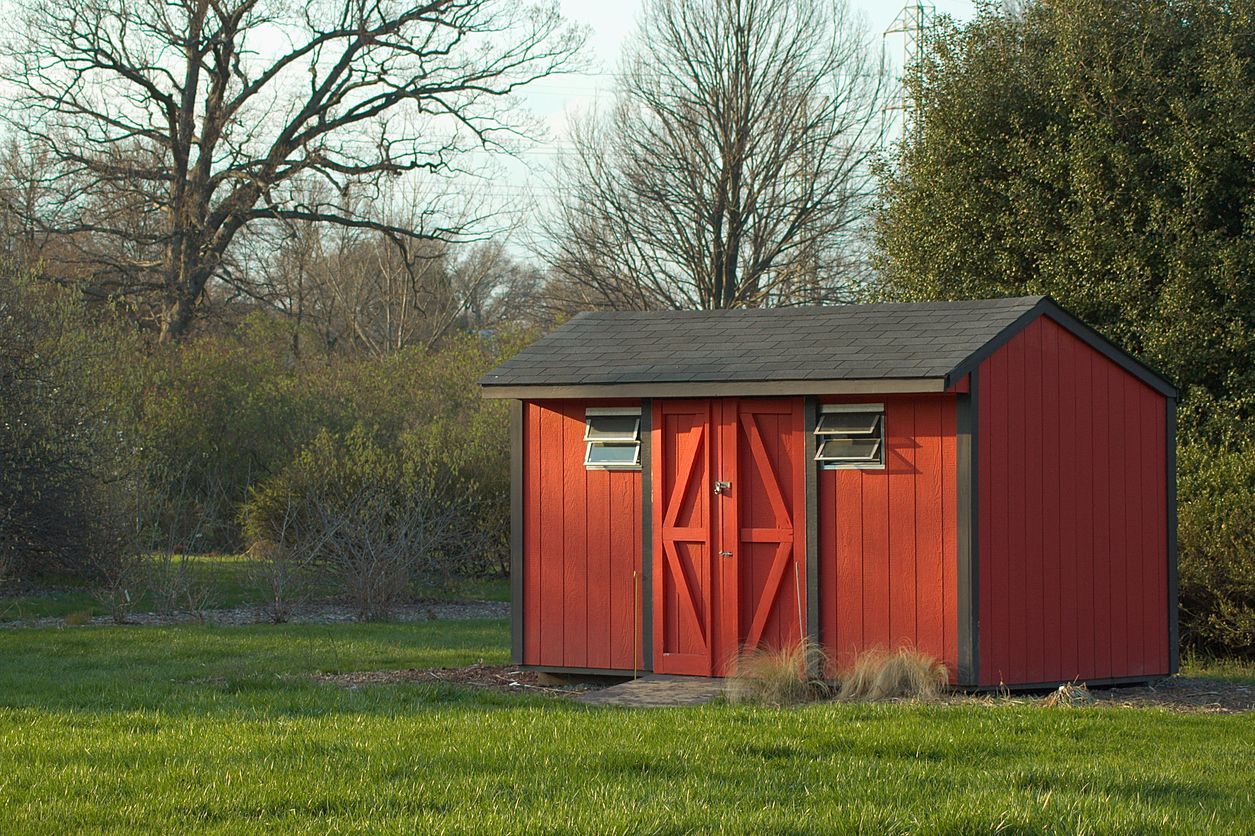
point(619, 441)
point(829, 435)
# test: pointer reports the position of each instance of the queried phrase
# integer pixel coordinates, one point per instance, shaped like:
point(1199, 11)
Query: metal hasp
point(720, 487)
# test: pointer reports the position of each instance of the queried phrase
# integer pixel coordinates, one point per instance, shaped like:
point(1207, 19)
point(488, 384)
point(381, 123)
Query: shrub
point(899, 674)
point(62, 452)
point(1216, 489)
point(226, 413)
point(218, 414)
point(784, 676)
point(284, 573)
point(372, 518)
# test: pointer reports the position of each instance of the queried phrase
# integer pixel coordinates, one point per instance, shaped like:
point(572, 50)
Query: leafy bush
point(62, 506)
point(1216, 490)
point(219, 414)
point(223, 414)
point(373, 518)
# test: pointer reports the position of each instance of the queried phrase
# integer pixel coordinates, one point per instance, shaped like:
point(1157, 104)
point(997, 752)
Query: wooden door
point(729, 549)
point(683, 537)
point(768, 524)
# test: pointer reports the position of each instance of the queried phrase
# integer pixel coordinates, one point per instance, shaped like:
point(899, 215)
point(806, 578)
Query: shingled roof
point(604, 353)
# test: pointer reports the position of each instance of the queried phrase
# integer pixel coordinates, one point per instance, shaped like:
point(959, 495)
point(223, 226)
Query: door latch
point(725, 554)
point(720, 487)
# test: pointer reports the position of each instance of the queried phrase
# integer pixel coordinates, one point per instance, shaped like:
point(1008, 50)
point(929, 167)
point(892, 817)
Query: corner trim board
point(810, 413)
point(516, 531)
point(1174, 609)
point(967, 470)
point(646, 637)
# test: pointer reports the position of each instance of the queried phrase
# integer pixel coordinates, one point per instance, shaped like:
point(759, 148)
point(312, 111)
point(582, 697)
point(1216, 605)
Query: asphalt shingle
point(849, 342)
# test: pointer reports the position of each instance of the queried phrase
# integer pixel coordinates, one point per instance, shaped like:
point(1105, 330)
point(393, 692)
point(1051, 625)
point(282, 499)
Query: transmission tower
point(912, 24)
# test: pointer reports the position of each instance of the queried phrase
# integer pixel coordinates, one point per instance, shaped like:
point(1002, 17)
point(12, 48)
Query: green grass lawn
point(222, 729)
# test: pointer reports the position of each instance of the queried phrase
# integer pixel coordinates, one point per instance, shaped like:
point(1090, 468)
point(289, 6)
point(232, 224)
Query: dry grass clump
point(1069, 695)
point(897, 674)
point(786, 676)
point(78, 618)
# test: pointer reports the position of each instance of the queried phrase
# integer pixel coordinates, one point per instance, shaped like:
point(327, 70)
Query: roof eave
point(720, 388)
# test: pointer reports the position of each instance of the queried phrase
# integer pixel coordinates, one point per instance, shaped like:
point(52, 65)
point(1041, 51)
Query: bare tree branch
point(735, 167)
point(171, 125)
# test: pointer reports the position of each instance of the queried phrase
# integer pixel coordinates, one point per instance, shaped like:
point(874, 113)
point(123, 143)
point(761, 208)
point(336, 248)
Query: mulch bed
point(507, 678)
point(1181, 693)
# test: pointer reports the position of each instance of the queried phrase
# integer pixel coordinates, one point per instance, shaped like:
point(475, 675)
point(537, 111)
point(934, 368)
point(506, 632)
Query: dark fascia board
point(1049, 307)
point(721, 388)
point(646, 581)
point(810, 417)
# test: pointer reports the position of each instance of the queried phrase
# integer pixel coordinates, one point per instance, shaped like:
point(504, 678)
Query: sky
point(556, 100)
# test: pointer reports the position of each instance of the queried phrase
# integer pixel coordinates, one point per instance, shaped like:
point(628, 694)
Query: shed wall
point(887, 538)
point(581, 547)
point(1072, 543)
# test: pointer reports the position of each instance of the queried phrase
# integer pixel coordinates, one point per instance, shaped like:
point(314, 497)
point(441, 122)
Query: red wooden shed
point(991, 482)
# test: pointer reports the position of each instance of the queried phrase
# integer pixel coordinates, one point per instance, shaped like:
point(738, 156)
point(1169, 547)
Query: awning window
point(851, 436)
point(612, 438)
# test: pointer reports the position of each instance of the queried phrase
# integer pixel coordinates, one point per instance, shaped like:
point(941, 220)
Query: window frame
point(877, 432)
point(621, 440)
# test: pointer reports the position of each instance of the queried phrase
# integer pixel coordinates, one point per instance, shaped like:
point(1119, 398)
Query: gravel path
point(308, 614)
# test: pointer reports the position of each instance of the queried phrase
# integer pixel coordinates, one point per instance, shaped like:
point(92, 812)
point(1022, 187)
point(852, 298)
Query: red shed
point(991, 482)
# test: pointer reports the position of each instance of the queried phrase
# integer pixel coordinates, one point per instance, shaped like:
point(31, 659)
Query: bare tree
point(734, 166)
point(172, 125)
point(359, 292)
point(496, 288)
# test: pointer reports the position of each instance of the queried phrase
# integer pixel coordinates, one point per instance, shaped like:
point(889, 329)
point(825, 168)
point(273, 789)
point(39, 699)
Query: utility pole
point(913, 24)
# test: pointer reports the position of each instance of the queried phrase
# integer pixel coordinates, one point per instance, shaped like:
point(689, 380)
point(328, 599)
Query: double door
point(729, 572)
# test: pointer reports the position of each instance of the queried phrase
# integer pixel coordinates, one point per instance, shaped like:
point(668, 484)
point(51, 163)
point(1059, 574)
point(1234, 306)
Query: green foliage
point(1217, 547)
point(225, 730)
point(1101, 151)
point(114, 444)
point(63, 456)
point(222, 414)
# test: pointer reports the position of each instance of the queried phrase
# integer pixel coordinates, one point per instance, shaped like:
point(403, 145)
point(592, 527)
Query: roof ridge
point(993, 302)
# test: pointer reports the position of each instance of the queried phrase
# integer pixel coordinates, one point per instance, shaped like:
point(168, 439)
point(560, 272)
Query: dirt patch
point(508, 678)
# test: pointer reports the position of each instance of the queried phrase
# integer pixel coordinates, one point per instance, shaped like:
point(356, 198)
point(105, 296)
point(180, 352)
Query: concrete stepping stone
point(656, 691)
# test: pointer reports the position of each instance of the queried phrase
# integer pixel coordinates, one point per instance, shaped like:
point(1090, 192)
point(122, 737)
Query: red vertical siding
point(581, 547)
point(1072, 535)
point(887, 538)
point(769, 519)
